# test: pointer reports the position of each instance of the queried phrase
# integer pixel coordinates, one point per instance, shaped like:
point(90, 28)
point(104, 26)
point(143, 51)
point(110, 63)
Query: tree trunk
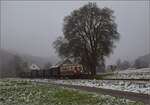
point(93, 70)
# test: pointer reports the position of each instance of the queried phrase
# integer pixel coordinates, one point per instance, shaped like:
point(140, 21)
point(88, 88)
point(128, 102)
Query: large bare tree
point(89, 36)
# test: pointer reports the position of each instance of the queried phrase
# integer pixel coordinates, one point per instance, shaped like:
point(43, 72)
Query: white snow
point(121, 85)
point(131, 86)
point(143, 73)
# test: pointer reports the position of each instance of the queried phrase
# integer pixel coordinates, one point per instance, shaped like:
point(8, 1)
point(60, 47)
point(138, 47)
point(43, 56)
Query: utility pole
point(1, 58)
point(0, 26)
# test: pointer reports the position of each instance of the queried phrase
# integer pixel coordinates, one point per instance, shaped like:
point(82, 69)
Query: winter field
point(143, 73)
point(26, 92)
point(121, 85)
point(131, 86)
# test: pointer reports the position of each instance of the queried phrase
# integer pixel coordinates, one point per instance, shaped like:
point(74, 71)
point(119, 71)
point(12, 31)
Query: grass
point(30, 93)
point(103, 75)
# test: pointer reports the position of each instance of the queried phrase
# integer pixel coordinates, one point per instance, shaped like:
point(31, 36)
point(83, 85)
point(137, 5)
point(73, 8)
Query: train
point(63, 71)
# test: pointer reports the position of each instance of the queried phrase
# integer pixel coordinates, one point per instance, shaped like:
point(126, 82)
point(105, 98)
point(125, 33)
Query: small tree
point(18, 65)
point(25, 65)
point(125, 65)
point(140, 64)
point(118, 63)
point(47, 65)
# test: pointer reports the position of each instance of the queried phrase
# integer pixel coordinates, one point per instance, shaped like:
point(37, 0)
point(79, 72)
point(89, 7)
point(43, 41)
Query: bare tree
point(89, 35)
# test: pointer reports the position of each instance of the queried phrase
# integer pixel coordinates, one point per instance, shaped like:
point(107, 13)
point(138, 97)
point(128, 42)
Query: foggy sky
point(30, 27)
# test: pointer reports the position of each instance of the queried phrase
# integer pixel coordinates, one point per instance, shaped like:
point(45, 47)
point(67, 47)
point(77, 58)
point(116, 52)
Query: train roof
point(54, 66)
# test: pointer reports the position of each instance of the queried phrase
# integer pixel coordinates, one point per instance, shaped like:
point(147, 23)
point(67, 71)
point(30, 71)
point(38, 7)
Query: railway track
point(128, 79)
point(145, 98)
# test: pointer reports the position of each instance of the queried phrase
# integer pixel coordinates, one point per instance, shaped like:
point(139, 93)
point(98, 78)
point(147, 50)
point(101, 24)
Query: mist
point(30, 27)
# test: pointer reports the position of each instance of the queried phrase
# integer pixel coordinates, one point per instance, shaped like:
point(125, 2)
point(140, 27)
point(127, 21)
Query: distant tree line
point(137, 64)
point(19, 65)
point(122, 65)
point(14, 66)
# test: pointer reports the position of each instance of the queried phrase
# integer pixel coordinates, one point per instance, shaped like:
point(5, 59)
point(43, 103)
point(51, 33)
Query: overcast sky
point(30, 27)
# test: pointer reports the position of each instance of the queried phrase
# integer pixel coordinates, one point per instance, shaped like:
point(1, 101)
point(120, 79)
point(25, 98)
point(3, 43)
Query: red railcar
point(70, 70)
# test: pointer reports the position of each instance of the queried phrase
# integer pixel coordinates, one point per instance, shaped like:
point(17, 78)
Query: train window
point(75, 68)
point(63, 68)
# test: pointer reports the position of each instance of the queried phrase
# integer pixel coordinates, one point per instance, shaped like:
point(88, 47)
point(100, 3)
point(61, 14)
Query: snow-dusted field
point(25, 92)
point(131, 86)
point(143, 73)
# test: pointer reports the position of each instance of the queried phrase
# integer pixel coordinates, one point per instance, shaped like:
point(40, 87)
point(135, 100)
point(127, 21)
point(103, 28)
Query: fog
point(30, 27)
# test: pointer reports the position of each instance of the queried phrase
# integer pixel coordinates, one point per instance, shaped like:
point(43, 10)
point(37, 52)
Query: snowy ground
point(143, 73)
point(25, 92)
point(131, 86)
